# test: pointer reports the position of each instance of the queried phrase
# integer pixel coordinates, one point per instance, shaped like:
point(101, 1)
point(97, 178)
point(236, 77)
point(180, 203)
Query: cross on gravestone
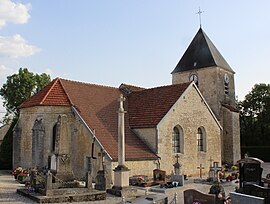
point(177, 165)
point(215, 169)
point(210, 160)
point(201, 168)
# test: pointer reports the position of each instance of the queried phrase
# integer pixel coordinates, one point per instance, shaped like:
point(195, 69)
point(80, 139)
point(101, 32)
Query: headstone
point(250, 171)
point(159, 175)
point(214, 172)
point(53, 162)
point(48, 184)
point(192, 196)
point(259, 191)
point(177, 166)
point(177, 178)
point(100, 181)
point(89, 181)
point(246, 199)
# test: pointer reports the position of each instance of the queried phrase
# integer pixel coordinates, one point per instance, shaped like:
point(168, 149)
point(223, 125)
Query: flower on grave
point(233, 168)
point(220, 175)
point(229, 178)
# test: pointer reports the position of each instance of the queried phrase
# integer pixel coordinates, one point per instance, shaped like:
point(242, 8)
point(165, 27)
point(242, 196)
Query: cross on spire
point(199, 13)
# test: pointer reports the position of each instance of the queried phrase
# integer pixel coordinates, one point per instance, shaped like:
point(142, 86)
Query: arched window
point(201, 139)
point(178, 140)
point(54, 137)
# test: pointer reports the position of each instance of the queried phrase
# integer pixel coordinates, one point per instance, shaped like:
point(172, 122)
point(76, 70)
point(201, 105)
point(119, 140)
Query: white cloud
point(16, 46)
point(5, 71)
point(13, 12)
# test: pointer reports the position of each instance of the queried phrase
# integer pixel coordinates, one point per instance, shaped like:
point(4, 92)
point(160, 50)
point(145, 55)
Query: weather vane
point(199, 13)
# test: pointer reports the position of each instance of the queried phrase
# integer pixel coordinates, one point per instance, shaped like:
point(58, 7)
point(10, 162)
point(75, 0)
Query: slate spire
point(201, 53)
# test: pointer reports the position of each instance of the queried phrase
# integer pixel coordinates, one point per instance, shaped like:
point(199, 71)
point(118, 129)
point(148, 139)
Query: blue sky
point(137, 42)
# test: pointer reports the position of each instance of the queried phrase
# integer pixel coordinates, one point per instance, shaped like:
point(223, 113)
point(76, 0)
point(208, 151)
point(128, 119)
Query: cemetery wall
point(190, 113)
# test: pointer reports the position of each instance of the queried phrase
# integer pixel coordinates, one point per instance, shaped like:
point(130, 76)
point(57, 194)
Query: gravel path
point(8, 188)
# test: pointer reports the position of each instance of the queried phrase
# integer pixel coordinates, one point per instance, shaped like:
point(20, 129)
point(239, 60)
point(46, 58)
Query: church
point(72, 127)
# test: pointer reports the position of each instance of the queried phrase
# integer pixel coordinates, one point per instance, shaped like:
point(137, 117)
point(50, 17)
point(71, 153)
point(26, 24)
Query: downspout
point(89, 129)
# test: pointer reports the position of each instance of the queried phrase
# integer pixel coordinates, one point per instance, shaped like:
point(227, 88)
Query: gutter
point(89, 129)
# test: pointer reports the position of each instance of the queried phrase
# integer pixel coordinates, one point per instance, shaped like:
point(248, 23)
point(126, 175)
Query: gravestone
point(53, 162)
point(192, 196)
point(250, 171)
point(259, 191)
point(177, 178)
point(214, 172)
point(246, 199)
point(100, 181)
point(159, 176)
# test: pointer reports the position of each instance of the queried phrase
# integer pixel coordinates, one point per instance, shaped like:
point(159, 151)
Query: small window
point(54, 137)
point(176, 140)
point(200, 140)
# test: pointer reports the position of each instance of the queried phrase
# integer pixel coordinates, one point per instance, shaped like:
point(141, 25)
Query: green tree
point(255, 116)
point(6, 148)
point(20, 87)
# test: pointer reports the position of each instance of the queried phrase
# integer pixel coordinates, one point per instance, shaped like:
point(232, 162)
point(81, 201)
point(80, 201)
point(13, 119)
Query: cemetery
point(44, 186)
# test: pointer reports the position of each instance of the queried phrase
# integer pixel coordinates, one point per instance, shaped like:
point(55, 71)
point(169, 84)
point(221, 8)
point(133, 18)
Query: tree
point(20, 87)
point(6, 148)
point(255, 116)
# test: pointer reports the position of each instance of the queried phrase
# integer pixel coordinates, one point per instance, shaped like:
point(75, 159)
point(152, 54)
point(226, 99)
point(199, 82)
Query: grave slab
point(246, 199)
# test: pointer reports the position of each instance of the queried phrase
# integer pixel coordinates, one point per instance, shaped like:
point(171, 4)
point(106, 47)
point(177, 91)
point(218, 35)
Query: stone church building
point(71, 127)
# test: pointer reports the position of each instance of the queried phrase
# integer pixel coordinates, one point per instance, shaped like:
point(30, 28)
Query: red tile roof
point(146, 108)
point(53, 94)
point(98, 106)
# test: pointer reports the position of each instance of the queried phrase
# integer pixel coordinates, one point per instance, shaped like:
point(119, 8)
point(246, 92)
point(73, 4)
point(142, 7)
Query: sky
point(136, 42)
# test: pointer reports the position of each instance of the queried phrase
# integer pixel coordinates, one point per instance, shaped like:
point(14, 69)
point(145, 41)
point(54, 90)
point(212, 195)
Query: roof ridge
point(166, 86)
point(86, 83)
point(133, 86)
point(48, 92)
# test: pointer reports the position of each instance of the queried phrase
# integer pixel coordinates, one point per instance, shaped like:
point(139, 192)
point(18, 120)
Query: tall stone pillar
point(64, 168)
point(121, 172)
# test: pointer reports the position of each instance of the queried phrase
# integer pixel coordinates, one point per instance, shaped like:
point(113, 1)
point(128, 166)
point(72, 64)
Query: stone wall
point(148, 136)
point(77, 143)
point(190, 113)
point(211, 85)
point(231, 136)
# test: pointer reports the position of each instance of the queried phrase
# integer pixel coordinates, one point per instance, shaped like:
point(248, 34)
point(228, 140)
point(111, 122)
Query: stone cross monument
point(121, 172)
point(121, 132)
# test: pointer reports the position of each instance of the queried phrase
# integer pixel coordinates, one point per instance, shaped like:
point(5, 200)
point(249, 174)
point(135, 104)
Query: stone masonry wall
point(79, 144)
point(190, 113)
point(231, 137)
point(148, 136)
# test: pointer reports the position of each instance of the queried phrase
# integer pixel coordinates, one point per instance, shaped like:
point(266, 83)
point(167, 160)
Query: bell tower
point(203, 63)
